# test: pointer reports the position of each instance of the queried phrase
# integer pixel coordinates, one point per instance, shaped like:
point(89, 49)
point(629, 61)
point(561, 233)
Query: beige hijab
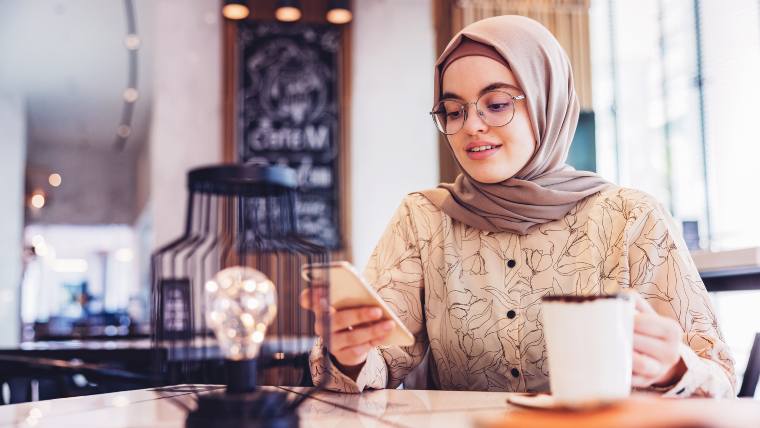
point(546, 188)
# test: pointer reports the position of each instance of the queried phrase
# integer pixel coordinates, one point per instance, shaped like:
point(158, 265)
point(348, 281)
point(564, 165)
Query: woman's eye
point(453, 114)
point(498, 106)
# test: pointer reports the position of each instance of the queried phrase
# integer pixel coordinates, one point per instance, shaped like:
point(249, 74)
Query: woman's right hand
point(353, 332)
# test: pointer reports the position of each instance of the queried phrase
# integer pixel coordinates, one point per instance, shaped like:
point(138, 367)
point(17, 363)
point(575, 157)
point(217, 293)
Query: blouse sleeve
point(663, 272)
point(395, 271)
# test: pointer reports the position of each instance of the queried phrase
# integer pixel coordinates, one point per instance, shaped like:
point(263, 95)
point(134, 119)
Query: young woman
point(465, 265)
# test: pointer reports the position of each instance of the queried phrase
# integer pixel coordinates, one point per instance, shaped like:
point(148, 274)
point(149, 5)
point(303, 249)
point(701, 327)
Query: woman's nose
point(473, 123)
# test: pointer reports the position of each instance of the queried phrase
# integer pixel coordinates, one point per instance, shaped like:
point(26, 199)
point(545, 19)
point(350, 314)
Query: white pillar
point(187, 106)
point(393, 58)
point(12, 169)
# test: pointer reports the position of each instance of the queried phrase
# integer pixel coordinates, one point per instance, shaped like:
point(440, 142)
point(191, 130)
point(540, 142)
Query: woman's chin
point(489, 171)
point(493, 178)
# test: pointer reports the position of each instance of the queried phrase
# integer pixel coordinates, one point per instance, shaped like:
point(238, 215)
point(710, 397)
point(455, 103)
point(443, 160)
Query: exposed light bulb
point(242, 302)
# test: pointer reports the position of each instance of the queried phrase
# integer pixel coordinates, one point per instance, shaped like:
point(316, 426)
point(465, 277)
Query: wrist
point(673, 376)
point(352, 371)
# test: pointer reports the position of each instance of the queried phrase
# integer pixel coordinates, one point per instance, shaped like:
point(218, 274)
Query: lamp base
point(258, 409)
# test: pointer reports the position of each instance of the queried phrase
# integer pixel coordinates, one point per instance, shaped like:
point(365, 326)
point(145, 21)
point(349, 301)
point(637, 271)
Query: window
point(675, 90)
point(675, 95)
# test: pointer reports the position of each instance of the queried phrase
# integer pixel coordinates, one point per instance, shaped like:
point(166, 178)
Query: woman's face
point(512, 145)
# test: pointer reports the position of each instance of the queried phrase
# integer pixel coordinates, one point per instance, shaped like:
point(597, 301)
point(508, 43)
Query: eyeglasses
point(496, 108)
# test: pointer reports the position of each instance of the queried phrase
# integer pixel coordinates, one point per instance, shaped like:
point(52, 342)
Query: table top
point(168, 407)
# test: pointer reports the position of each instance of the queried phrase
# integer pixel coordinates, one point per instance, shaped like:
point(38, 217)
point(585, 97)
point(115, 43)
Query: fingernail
point(375, 313)
point(387, 325)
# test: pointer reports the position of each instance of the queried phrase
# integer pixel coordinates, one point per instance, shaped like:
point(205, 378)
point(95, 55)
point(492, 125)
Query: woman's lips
point(483, 154)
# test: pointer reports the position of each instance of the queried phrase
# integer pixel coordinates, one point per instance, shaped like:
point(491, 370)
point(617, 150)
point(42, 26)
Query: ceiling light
point(288, 10)
point(235, 9)
point(38, 200)
point(130, 95)
point(55, 179)
point(339, 12)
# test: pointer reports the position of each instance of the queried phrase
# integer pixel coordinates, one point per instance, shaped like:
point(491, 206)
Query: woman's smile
point(477, 150)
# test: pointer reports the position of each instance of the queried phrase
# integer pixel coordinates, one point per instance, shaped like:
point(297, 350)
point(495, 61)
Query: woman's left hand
point(656, 339)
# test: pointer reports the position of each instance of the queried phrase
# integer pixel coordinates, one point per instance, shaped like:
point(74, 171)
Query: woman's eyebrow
point(499, 85)
point(450, 95)
point(491, 87)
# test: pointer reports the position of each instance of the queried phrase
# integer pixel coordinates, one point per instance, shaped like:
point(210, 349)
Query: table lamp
point(241, 303)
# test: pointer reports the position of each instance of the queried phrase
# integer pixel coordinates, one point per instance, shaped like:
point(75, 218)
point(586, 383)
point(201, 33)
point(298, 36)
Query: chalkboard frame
point(231, 132)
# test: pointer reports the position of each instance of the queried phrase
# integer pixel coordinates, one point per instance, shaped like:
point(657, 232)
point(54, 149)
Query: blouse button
point(511, 314)
point(511, 263)
point(515, 373)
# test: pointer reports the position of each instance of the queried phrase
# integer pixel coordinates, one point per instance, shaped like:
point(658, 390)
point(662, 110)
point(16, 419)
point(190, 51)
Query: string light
point(242, 302)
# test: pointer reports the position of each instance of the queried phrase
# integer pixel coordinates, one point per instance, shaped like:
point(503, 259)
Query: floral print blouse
point(473, 298)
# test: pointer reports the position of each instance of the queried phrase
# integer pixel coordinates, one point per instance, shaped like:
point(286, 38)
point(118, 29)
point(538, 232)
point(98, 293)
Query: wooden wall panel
point(313, 12)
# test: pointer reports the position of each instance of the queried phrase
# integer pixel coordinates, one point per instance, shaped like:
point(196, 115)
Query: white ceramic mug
point(589, 340)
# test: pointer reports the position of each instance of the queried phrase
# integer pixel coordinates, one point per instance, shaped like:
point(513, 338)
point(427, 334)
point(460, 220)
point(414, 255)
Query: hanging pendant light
point(288, 10)
point(339, 12)
point(235, 9)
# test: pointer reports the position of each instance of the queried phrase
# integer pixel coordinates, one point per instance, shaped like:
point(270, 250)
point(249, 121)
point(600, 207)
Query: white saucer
point(547, 402)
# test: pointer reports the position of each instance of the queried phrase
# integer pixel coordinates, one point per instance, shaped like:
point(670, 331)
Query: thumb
point(641, 304)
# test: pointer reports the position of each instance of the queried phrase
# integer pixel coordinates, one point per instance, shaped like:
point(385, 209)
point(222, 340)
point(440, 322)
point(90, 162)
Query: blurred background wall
point(668, 93)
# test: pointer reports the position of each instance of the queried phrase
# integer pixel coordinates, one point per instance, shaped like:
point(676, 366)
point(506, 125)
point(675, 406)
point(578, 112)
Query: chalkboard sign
point(288, 113)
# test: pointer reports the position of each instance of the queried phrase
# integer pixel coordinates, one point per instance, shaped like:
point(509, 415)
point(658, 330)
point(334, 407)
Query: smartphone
point(348, 289)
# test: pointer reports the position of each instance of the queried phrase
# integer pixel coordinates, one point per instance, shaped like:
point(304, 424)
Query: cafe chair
point(752, 373)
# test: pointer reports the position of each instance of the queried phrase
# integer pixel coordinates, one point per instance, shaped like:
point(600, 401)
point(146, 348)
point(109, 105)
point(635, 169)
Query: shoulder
point(628, 211)
point(629, 202)
point(417, 204)
point(417, 216)
point(645, 216)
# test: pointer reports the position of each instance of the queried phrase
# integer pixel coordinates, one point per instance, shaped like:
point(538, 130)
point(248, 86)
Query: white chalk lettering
point(313, 138)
